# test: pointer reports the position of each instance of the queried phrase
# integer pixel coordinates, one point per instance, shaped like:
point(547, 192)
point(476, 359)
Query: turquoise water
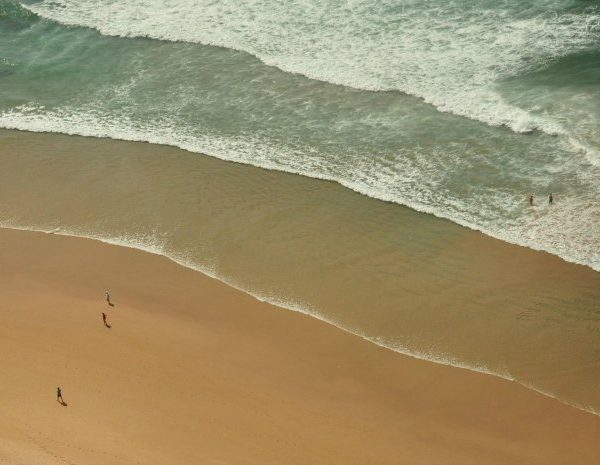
point(458, 109)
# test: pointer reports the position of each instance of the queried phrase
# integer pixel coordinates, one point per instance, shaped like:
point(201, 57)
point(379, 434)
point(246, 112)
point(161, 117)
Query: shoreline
point(306, 312)
point(195, 370)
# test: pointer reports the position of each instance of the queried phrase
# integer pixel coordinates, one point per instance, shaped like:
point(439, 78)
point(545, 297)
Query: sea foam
point(450, 54)
point(569, 229)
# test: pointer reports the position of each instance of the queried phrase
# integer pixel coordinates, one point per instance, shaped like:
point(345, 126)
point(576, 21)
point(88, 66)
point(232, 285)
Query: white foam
point(569, 229)
point(451, 54)
point(592, 154)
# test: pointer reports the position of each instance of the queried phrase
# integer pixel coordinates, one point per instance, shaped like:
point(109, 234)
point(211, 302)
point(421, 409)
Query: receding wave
point(568, 229)
point(524, 65)
point(454, 55)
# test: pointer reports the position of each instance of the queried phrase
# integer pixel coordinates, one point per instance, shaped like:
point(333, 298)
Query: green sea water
point(457, 109)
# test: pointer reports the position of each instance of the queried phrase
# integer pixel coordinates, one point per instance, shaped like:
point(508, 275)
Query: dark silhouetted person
point(531, 200)
point(550, 199)
point(104, 319)
point(59, 395)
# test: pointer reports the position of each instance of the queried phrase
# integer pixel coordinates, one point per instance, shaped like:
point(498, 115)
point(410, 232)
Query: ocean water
point(458, 109)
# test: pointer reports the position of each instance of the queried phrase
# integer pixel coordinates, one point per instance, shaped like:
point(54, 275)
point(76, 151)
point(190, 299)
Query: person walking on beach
point(550, 199)
point(104, 320)
point(59, 395)
point(531, 200)
point(107, 295)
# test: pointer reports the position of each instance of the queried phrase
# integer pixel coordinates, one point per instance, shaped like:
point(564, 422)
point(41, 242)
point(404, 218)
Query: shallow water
point(457, 109)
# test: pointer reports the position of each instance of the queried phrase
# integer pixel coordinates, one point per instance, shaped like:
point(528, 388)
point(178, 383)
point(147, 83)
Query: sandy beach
point(193, 371)
point(357, 234)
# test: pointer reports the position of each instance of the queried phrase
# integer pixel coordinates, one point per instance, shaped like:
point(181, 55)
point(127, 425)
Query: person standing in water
point(531, 200)
point(550, 199)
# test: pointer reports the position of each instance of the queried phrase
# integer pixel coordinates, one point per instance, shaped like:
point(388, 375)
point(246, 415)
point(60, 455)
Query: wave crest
point(451, 55)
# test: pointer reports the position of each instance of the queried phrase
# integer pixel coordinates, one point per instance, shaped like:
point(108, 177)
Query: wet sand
point(193, 371)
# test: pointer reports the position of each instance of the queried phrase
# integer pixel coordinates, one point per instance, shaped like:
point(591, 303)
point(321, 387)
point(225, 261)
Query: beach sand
point(195, 372)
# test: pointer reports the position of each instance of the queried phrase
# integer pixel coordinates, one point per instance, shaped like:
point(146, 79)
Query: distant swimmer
point(531, 200)
point(550, 199)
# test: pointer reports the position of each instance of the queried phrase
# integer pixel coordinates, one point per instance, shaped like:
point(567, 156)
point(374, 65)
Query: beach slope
point(192, 371)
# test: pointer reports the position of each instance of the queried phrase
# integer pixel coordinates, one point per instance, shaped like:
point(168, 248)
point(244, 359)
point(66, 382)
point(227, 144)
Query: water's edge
point(356, 187)
point(286, 305)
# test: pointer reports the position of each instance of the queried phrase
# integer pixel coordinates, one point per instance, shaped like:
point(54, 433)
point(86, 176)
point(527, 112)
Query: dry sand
point(195, 372)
